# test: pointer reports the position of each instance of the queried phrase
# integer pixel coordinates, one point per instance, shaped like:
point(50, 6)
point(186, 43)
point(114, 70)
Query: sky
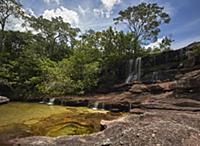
point(184, 27)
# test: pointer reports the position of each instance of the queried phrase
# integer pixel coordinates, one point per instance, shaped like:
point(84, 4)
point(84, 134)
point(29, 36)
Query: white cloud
point(82, 11)
point(108, 4)
point(102, 13)
point(106, 10)
point(52, 1)
point(31, 12)
point(155, 44)
point(15, 24)
point(69, 16)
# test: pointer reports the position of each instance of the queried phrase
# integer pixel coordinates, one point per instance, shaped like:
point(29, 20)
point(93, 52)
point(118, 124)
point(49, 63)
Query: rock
point(137, 111)
point(189, 82)
point(4, 99)
point(162, 87)
point(106, 142)
point(138, 88)
point(190, 58)
point(176, 128)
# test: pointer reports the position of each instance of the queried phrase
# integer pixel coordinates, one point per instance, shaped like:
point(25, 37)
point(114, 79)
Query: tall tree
point(144, 20)
point(8, 8)
point(58, 35)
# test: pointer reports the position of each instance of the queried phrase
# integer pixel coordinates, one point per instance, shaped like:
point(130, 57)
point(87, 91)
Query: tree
point(114, 47)
point(143, 20)
point(165, 44)
point(8, 8)
point(58, 35)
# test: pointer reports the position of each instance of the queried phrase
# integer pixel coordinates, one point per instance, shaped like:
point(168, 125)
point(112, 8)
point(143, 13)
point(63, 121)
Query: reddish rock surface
point(154, 127)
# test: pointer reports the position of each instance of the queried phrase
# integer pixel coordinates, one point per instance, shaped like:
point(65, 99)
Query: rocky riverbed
point(149, 127)
point(160, 113)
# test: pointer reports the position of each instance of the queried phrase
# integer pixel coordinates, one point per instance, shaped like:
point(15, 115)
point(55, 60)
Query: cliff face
point(167, 65)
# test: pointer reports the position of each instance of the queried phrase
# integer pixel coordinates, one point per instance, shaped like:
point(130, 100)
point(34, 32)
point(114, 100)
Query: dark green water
point(31, 119)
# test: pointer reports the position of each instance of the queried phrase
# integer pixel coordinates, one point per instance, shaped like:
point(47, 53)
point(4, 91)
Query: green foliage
point(196, 49)
point(8, 8)
point(85, 63)
point(55, 79)
point(54, 62)
point(144, 20)
point(165, 44)
point(58, 36)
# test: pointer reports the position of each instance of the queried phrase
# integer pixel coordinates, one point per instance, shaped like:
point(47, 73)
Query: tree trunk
point(2, 37)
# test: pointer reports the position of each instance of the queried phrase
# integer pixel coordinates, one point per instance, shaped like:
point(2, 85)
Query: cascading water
point(130, 106)
point(130, 73)
point(155, 76)
point(96, 105)
point(138, 68)
point(136, 74)
point(181, 55)
point(51, 101)
point(103, 106)
point(41, 102)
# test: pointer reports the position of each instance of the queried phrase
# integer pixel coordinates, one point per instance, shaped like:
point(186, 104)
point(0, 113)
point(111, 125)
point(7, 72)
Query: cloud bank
point(68, 15)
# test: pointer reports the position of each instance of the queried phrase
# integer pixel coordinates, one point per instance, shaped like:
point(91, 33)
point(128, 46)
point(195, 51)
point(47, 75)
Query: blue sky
point(184, 27)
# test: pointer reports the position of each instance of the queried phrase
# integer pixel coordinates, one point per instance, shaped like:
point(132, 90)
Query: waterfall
point(103, 106)
point(130, 106)
point(130, 71)
point(96, 105)
point(42, 102)
point(138, 68)
point(155, 76)
point(51, 101)
point(136, 74)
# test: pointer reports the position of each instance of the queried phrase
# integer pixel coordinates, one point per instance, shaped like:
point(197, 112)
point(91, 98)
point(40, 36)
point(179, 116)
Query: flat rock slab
point(153, 128)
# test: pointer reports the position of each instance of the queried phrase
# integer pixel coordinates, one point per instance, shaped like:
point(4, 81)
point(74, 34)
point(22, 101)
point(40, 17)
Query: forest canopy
point(60, 59)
